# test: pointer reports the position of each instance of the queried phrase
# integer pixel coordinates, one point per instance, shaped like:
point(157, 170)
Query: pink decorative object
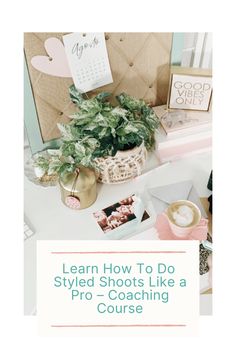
point(173, 153)
point(165, 232)
point(55, 63)
point(72, 202)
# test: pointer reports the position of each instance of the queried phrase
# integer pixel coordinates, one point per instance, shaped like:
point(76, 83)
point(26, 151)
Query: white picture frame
point(190, 89)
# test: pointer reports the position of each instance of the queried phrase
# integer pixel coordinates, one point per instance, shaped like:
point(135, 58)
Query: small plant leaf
point(75, 95)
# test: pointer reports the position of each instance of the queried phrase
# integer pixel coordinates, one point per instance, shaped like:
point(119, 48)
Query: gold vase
point(79, 189)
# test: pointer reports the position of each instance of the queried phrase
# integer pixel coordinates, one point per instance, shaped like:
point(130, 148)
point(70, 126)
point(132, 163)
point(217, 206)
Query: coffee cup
point(183, 217)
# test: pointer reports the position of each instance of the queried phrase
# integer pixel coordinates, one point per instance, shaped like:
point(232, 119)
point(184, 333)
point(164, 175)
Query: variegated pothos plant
point(98, 129)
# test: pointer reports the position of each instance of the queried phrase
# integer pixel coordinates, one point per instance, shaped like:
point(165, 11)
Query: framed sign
point(190, 89)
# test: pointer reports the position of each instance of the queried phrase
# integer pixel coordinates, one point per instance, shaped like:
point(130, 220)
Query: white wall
point(197, 50)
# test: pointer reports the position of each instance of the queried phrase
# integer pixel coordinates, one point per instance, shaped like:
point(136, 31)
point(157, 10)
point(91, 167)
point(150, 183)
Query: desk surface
point(52, 220)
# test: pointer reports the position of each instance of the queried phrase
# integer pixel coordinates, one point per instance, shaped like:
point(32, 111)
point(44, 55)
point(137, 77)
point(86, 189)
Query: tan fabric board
point(139, 64)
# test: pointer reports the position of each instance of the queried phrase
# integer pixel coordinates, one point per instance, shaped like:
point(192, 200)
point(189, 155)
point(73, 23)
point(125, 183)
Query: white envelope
point(162, 196)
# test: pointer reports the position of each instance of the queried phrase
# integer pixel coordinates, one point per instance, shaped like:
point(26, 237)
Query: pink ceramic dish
point(165, 232)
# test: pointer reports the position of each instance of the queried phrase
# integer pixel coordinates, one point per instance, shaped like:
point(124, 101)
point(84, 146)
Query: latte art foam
point(183, 216)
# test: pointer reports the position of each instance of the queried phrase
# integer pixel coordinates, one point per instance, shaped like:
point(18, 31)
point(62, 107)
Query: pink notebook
point(177, 152)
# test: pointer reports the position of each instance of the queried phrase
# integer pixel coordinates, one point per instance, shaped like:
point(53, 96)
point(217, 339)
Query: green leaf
point(120, 112)
point(69, 132)
point(131, 128)
point(92, 143)
point(87, 160)
point(101, 132)
point(92, 106)
point(65, 130)
point(103, 96)
point(128, 128)
point(112, 119)
point(150, 118)
point(54, 166)
point(42, 162)
point(130, 102)
point(68, 148)
point(82, 116)
point(101, 120)
point(75, 95)
point(66, 168)
point(80, 149)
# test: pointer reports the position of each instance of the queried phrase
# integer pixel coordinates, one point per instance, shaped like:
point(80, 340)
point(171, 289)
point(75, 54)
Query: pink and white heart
point(55, 63)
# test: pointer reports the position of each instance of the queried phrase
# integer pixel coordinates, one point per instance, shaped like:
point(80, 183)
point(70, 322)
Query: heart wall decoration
point(55, 64)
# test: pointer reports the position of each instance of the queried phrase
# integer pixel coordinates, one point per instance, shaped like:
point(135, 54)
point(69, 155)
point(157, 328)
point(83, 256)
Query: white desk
point(54, 221)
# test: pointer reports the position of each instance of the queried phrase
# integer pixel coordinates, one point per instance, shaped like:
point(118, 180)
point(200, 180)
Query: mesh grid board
point(139, 64)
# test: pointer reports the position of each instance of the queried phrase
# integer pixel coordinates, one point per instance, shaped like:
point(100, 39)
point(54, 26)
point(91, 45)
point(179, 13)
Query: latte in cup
point(183, 217)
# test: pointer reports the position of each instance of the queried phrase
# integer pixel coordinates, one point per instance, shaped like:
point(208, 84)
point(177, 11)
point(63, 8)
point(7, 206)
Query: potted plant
point(111, 139)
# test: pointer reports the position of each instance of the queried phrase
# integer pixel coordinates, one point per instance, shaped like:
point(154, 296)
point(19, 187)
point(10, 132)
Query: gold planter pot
point(79, 189)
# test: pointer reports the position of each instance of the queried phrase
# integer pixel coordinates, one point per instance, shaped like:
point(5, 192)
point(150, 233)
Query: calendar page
point(88, 60)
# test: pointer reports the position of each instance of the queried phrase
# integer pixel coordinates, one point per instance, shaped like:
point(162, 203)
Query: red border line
point(120, 325)
point(118, 252)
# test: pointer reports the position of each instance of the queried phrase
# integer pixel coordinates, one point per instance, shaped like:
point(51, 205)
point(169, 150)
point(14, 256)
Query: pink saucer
point(165, 232)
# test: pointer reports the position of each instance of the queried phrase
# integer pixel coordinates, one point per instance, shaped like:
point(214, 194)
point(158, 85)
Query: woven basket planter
point(122, 167)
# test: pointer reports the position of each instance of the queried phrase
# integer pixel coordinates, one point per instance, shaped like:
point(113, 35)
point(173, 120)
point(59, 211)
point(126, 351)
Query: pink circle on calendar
point(72, 202)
